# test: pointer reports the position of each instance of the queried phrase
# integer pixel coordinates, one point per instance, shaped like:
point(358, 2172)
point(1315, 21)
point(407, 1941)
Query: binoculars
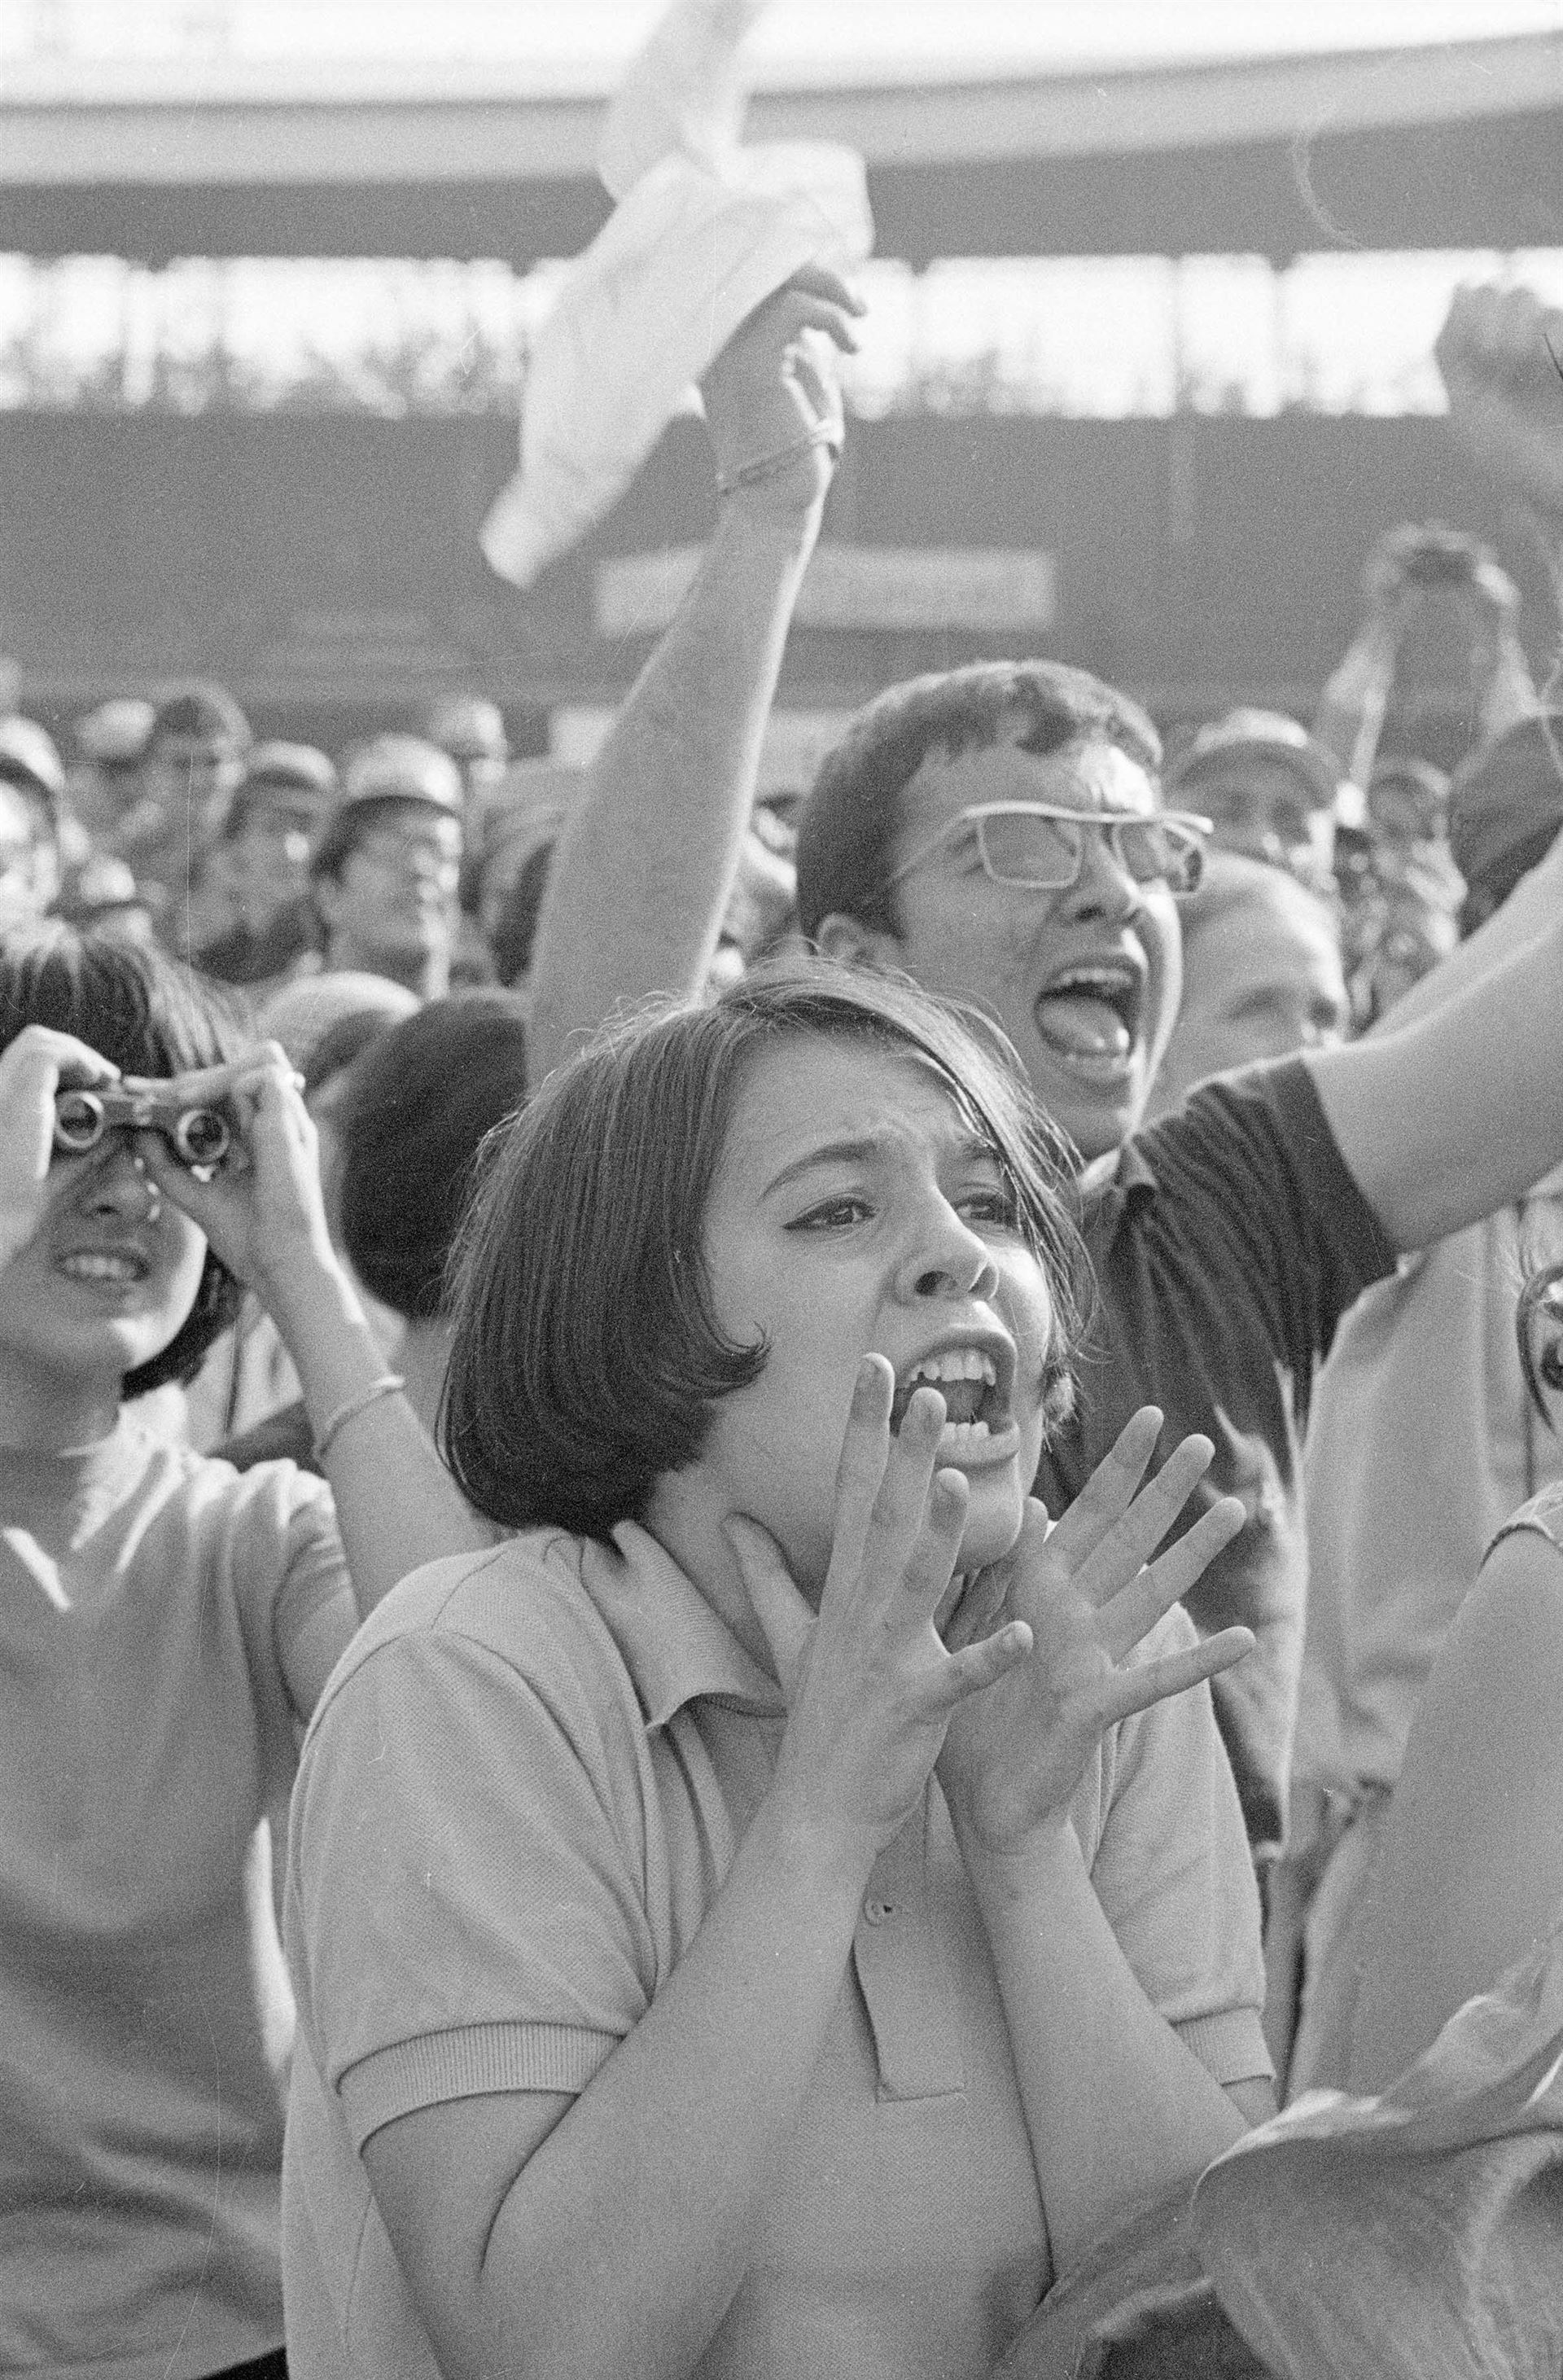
point(197, 1136)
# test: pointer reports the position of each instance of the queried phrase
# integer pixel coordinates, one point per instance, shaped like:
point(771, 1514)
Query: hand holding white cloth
point(704, 235)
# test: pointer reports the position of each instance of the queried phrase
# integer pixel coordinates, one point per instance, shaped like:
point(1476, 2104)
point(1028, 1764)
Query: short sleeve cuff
point(1230, 2045)
point(468, 2063)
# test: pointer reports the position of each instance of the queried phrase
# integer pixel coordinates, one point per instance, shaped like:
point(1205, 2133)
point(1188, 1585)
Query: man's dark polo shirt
point(1228, 1243)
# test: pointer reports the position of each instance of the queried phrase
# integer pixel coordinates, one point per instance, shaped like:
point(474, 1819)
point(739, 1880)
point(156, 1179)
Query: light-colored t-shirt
point(1422, 1441)
point(154, 1607)
point(519, 1797)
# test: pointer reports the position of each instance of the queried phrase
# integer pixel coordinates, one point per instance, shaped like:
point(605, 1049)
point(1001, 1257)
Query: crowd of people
point(759, 1558)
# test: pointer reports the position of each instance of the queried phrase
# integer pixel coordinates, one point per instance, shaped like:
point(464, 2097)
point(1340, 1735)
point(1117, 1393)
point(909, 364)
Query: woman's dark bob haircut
point(587, 1357)
point(151, 1016)
point(421, 1101)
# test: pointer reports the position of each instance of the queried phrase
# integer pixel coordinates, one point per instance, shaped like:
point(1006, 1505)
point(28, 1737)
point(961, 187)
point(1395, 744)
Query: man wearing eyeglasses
point(998, 834)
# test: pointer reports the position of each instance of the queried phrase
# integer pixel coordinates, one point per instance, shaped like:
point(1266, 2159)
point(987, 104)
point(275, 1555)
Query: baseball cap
point(1260, 734)
point(402, 769)
point(202, 713)
point(28, 758)
point(278, 771)
point(117, 732)
point(469, 727)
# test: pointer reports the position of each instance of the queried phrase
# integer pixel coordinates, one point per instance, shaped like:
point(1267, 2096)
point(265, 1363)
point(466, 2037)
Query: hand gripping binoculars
point(197, 1136)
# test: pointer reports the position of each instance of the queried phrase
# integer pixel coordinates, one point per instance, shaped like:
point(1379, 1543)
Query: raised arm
point(396, 1505)
point(1500, 354)
point(1457, 1114)
point(1456, 1106)
point(647, 861)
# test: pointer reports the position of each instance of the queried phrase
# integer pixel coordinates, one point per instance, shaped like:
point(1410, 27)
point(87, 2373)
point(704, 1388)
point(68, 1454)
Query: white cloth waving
point(703, 233)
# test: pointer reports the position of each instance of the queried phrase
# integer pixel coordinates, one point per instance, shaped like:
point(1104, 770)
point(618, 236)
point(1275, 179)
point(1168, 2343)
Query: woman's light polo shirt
point(521, 1792)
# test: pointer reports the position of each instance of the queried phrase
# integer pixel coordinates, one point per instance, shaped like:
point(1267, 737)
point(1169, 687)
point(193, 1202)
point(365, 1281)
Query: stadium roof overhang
point(1457, 146)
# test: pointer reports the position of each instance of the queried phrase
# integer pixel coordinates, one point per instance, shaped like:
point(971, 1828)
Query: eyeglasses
point(1041, 847)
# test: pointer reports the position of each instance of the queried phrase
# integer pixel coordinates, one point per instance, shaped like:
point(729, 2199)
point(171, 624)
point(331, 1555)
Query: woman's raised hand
point(261, 1208)
point(1089, 1593)
point(32, 1068)
point(871, 1686)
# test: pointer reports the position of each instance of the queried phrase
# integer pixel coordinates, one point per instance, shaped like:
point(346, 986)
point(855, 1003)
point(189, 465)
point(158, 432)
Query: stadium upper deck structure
point(327, 563)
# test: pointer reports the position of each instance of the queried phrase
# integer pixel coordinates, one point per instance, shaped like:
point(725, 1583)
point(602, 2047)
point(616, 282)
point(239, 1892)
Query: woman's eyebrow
point(861, 1152)
point(866, 1149)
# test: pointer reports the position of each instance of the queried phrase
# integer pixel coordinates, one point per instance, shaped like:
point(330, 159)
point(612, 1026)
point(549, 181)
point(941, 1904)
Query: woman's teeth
point(964, 1376)
point(90, 1267)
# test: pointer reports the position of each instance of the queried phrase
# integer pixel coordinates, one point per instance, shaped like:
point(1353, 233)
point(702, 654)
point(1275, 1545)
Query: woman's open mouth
point(975, 1382)
point(105, 1268)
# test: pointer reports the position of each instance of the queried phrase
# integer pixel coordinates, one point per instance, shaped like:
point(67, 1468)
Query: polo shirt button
point(877, 1910)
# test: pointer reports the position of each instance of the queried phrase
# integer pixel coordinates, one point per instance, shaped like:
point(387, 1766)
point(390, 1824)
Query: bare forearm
point(1460, 1112)
point(396, 1505)
point(1118, 2110)
point(645, 866)
point(621, 2244)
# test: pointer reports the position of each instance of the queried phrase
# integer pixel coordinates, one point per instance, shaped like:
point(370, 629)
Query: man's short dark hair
point(201, 713)
point(586, 1357)
point(273, 772)
point(849, 823)
point(351, 821)
point(152, 1016)
point(420, 1103)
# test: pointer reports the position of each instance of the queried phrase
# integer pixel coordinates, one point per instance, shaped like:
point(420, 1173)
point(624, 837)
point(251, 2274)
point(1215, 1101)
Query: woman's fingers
point(976, 1666)
point(1131, 1614)
point(1121, 1550)
point(1109, 1492)
point(39, 1053)
point(860, 1470)
point(903, 1550)
point(1156, 1681)
point(930, 1565)
point(971, 1609)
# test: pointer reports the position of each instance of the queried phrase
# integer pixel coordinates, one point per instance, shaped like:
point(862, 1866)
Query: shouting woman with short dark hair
point(661, 2009)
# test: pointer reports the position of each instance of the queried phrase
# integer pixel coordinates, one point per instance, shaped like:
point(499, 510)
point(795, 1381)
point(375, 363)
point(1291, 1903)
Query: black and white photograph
point(782, 1190)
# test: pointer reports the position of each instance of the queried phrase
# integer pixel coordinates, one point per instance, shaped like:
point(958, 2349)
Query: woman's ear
point(854, 943)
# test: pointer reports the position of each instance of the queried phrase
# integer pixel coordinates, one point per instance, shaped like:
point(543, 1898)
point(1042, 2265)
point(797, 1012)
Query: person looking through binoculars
point(166, 1627)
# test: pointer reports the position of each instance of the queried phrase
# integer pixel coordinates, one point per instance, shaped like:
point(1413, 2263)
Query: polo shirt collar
point(675, 1647)
point(1114, 1183)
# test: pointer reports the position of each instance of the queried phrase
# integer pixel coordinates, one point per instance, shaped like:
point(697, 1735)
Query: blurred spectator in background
point(402, 1123)
point(1409, 921)
point(1416, 575)
point(277, 813)
point(194, 758)
point(1268, 789)
point(106, 786)
point(1504, 812)
point(103, 897)
point(386, 871)
point(1408, 802)
point(471, 729)
point(323, 1022)
point(31, 793)
point(1262, 976)
point(760, 912)
point(528, 808)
